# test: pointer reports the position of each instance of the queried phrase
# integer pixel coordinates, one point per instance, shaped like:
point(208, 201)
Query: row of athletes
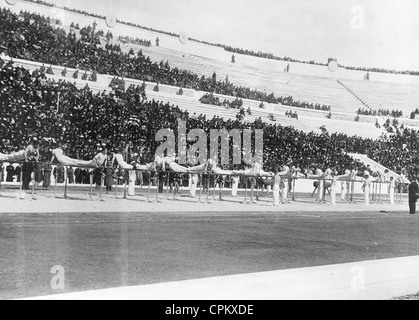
point(278, 180)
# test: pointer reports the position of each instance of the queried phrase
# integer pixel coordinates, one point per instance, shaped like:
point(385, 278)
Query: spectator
point(10, 170)
point(156, 88)
point(47, 169)
point(50, 71)
point(70, 175)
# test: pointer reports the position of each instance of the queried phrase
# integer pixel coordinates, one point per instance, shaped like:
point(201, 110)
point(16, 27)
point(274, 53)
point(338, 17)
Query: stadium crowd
point(271, 56)
point(86, 120)
point(31, 37)
point(230, 48)
point(141, 42)
point(380, 113)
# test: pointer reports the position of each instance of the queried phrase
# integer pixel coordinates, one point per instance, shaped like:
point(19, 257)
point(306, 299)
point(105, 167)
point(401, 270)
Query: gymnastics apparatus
point(280, 181)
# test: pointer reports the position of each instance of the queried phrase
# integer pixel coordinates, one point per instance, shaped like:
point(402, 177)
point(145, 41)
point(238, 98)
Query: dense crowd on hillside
point(209, 98)
point(31, 37)
point(236, 50)
point(380, 113)
point(138, 41)
point(86, 120)
point(271, 56)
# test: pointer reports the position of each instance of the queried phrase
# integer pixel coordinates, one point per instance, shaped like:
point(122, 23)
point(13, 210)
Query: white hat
point(366, 173)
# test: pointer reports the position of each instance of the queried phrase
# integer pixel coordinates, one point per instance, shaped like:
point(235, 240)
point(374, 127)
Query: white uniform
point(131, 186)
point(345, 186)
point(255, 171)
point(235, 185)
point(276, 190)
point(320, 189)
point(367, 184)
point(13, 157)
point(67, 161)
point(193, 182)
point(333, 190)
point(351, 184)
point(119, 159)
point(285, 175)
point(392, 186)
point(170, 161)
point(201, 168)
point(220, 171)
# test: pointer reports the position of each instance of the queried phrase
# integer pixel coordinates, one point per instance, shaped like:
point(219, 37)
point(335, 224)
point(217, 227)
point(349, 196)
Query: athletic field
point(117, 243)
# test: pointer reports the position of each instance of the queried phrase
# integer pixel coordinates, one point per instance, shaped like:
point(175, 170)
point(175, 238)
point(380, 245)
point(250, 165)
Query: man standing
point(344, 186)
point(319, 176)
point(413, 195)
point(32, 151)
point(285, 175)
point(392, 188)
point(367, 181)
point(60, 174)
point(193, 182)
point(234, 185)
point(47, 175)
point(31, 154)
point(79, 175)
point(10, 173)
point(70, 175)
point(18, 171)
point(351, 188)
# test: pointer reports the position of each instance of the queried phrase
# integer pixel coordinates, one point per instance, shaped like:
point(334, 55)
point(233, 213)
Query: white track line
point(380, 279)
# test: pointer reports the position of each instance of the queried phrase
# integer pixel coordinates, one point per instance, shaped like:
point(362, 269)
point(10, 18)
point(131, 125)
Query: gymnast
point(170, 162)
point(31, 153)
point(98, 161)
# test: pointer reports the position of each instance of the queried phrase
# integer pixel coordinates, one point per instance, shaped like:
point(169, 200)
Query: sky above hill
point(372, 33)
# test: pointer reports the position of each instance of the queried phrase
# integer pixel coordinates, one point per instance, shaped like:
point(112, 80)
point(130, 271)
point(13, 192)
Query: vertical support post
point(1, 175)
point(33, 173)
point(245, 194)
point(167, 184)
point(116, 187)
point(21, 182)
point(55, 182)
point(66, 182)
point(213, 190)
point(158, 186)
point(125, 183)
point(101, 185)
point(149, 185)
point(200, 186)
point(91, 186)
point(221, 188)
